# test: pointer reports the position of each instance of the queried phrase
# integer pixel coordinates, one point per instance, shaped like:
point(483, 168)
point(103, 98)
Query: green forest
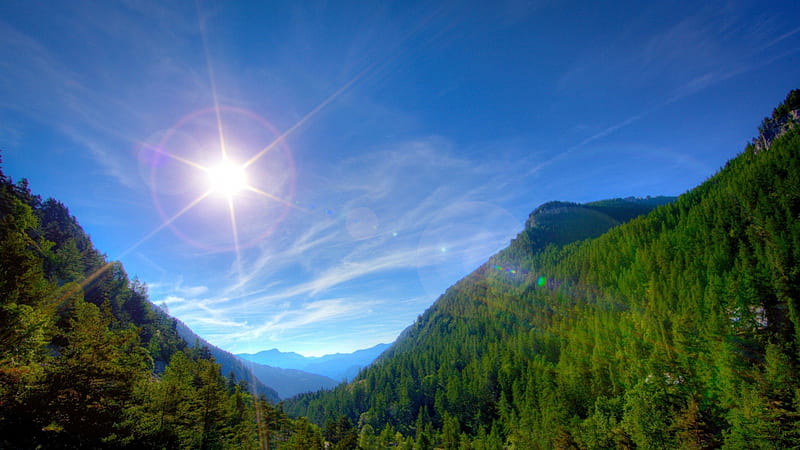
point(627, 323)
point(86, 361)
point(677, 329)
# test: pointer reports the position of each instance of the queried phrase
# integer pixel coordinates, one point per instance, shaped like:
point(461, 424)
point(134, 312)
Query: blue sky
point(401, 143)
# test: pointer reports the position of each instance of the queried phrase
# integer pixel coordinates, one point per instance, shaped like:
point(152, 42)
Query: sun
point(227, 178)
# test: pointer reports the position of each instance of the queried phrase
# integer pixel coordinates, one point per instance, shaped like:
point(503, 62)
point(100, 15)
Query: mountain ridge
point(338, 366)
point(679, 328)
point(289, 382)
point(229, 363)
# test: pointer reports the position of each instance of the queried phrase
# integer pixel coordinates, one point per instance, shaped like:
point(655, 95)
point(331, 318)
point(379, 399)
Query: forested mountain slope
point(676, 329)
point(87, 362)
point(230, 365)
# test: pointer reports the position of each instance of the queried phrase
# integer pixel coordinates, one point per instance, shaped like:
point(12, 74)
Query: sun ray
point(274, 198)
point(305, 118)
point(263, 433)
point(235, 236)
point(74, 290)
point(371, 66)
point(166, 223)
point(181, 159)
point(108, 265)
point(213, 81)
point(217, 111)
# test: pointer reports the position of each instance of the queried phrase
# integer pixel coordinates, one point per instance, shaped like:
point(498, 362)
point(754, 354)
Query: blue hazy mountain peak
point(338, 366)
point(289, 382)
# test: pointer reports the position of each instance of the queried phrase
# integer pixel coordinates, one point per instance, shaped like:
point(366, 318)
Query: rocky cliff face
point(549, 208)
point(783, 118)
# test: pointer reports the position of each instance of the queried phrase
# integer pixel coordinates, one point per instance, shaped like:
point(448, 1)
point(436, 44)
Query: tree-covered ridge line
point(560, 223)
point(677, 329)
point(229, 363)
point(86, 361)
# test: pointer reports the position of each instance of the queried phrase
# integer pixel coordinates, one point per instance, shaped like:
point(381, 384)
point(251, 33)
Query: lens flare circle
point(362, 223)
point(224, 179)
point(458, 239)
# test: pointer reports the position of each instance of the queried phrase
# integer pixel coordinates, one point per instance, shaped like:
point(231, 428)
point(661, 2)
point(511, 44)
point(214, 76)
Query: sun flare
point(227, 178)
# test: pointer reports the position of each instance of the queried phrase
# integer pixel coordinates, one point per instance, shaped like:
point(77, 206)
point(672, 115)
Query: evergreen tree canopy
point(87, 361)
point(676, 329)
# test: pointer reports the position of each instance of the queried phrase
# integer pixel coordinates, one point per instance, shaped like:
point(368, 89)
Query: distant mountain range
point(229, 363)
point(289, 382)
point(280, 375)
point(339, 366)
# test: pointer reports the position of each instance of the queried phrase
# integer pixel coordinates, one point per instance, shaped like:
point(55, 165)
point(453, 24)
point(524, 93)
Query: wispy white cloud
point(388, 184)
point(177, 286)
point(309, 313)
point(205, 320)
point(55, 83)
point(173, 300)
point(292, 319)
point(780, 38)
point(273, 257)
point(33, 63)
point(398, 197)
point(192, 291)
point(296, 280)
